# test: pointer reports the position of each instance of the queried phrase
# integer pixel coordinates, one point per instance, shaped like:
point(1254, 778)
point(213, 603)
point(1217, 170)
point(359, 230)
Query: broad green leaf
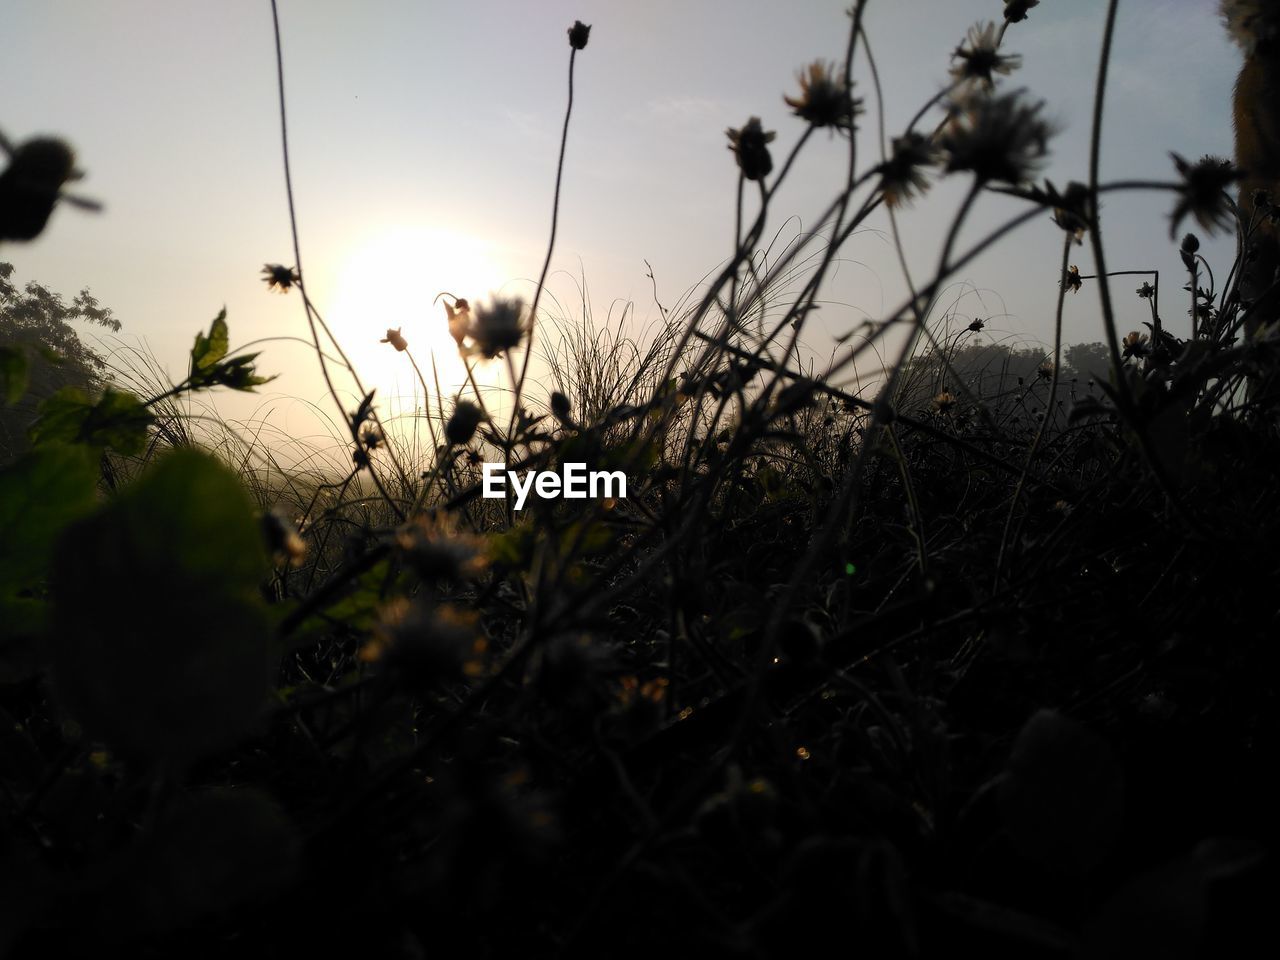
point(39, 495)
point(208, 350)
point(117, 420)
point(13, 375)
point(161, 640)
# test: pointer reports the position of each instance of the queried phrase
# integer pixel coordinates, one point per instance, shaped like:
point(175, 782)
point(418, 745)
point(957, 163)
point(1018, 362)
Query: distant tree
point(37, 322)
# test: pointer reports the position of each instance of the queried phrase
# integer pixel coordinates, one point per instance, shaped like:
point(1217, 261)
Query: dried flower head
point(1146, 291)
point(1253, 24)
point(462, 425)
point(1071, 209)
point(498, 326)
point(459, 321)
point(437, 550)
point(902, 176)
point(976, 325)
point(1072, 279)
point(1136, 344)
point(578, 34)
point(750, 148)
point(825, 99)
point(981, 58)
point(1015, 11)
point(1203, 193)
point(30, 185)
point(279, 277)
point(1000, 138)
point(944, 401)
point(560, 405)
point(427, 641)
point(393, 337)
point(371, 437)
point(284, 543)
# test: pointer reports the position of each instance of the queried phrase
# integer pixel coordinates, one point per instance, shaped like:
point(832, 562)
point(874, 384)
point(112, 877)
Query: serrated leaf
point(118, 420)
point(208, 350)
point(13, 375)
point(160, 641)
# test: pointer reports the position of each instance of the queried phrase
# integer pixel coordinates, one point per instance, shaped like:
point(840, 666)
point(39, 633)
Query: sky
point(424, 137)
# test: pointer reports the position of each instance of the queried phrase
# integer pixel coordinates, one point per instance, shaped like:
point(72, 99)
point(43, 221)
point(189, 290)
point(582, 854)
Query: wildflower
point(943, 402)
point(1136, 345)
point(1015, 11)
point(426, 640)
point(437, 551)
point(976, 325)
point(1045, 372)
point(280, 278)
point(560, 405)
point(825, 100)
point(30, 185)
point(749, 146)
point(982, 57)
point(497, 327)
point(284, 542)
point(902, 176)
point(1072, 279)
point(578, 34)
point(997, 138)
point(459, 320)
point(462, 425)
point(393, 337)
point(1202, 192)
point(371, 437)
point(1071, 209)
point(1146, 291)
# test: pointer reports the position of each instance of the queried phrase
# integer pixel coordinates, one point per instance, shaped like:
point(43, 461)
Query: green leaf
point(208, 350)
point(39, 495)
point(161, 640)
point(117, 420)
point(13, 375)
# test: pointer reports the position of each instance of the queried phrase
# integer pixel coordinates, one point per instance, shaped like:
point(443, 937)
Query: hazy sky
point(424, 138)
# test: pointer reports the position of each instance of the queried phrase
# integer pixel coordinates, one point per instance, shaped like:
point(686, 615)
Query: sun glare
point(388, 281)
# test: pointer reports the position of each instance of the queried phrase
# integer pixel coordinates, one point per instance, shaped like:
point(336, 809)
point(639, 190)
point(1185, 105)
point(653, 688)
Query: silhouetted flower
point(462, 425)
point(1136, 344)
point(30, 185)
point(372, 437)
point(1071, 209)
point(997, 138)
point(1072, 280)
point(284, 543)
point(977, 325)
point(393, 337)
point(1015, 11)
point(982, 57)
point(749, 146)
point(1146, 291)
point(578, 34)
point(560, 405)
point(280, 278)
point(902, 176)
point(1203, 192)
point(459, 320)
point(825, 100)
point(497, 326)
point(437, 551)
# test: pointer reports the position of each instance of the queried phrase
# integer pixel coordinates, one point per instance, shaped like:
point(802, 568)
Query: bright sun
point(388, 280)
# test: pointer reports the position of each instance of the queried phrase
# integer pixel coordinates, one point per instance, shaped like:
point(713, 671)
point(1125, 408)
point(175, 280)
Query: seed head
point(497, 326)
point(981, 58)
point(902, 176)
point(998, 138)
point(750, 148)
point(393, 337)
point(1203, 193)
point(462, 425)
point(280, 278)
point(578, 34)
point(825, 100)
